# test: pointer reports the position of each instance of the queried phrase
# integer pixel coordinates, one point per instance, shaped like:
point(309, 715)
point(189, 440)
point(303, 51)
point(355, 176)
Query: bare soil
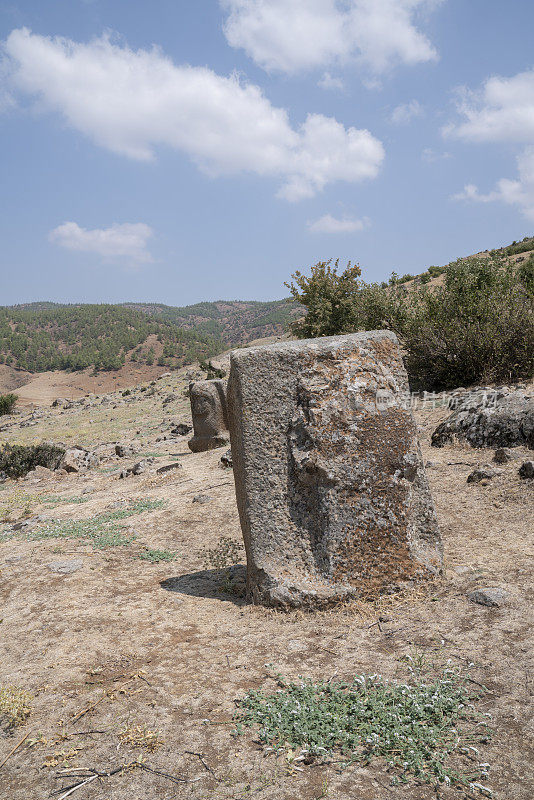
point(122, 643)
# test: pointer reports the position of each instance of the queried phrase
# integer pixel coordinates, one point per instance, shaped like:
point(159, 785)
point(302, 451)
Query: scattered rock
point(140, 467)
point(169, 467)
point(226, 459)
point(59, 401)
point(481, 473)
point(65, 567)
point(490, 419)
point(125, 450)
point(503, 455)
point(202, 498)
point(489, 596)
point(526, 470)
point(181, 429)
point(77, 459)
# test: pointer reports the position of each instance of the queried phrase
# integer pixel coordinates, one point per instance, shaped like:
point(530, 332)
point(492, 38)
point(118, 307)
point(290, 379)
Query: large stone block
point(331, 489)
point(210, 417)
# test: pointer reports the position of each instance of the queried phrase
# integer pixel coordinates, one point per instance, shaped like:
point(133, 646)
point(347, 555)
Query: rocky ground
point(134, 641)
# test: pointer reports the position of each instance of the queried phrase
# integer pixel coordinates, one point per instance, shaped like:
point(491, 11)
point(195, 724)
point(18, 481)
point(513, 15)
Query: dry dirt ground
point(133, 662)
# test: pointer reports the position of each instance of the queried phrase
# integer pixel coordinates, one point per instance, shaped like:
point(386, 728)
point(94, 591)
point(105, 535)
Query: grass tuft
point(15, 706)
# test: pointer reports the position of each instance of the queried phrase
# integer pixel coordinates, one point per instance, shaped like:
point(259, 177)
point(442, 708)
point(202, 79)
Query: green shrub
point(7, 403)
point(477, 327)
point(328, 297)
point(520, 247)
point(17, 460)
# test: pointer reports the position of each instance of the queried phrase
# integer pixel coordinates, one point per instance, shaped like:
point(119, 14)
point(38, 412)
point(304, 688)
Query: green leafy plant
point(329, 297)
point(422, 729)
point(7, 403)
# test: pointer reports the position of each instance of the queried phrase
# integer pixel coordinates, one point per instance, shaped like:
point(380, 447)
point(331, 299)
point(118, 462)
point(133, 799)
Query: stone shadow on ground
point(219, 584)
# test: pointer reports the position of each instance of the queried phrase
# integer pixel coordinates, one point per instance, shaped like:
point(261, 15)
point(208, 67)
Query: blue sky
point(175, 151)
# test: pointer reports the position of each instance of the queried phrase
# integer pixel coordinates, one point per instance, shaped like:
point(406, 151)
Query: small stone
point(169, 467)
point(125, 450)
point(502, 455)
point(202, 498)
point(481, 474)
point(489, 596)
point(181, 429)
point(526, 470)
point(65, 567)
point(226, 459)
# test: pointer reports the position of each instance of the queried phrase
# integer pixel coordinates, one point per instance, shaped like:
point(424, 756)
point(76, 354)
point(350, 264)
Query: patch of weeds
point(141, 736)
point(17, 504)
point(155, 556)
point(226, 553)
point(51, 501)
point(424, 730)
point(15, 706)
point(102, 530)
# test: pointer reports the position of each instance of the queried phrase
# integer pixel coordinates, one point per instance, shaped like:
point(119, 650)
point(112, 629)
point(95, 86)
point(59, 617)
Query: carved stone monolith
point(210, 417)
point(331, 489)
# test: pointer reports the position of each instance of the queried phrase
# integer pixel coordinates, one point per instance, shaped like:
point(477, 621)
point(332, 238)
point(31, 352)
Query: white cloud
point(132, 102)
point(405, 112)
point(518, 192)
point(329, 224)
point(431, 156)
point(502, 111)
point(329, 81)
point(126, 241)
point(297, 35)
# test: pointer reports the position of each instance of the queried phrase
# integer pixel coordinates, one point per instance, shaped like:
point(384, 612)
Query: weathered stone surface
point(526, 470)
point(65, 567)
point(226, 459)
point(125, 450)
point(77, 459)
point(182, 429)
point(503, 455)
point(482, 474)
point(210, 417)
point(490, 419)
point(489, 596)
point(331, 489)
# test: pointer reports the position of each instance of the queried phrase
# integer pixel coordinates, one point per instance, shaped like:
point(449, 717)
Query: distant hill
point(43, 336)
point(234, 321)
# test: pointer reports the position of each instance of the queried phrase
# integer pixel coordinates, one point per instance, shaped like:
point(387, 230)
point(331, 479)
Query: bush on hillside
point(7, 403)
point(17, 460)
point(329, 298)
point(477, 327)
